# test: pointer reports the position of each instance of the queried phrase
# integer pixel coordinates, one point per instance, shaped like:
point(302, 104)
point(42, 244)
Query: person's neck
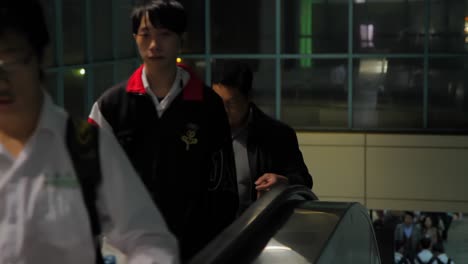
point(17, 129)
point(161, 79)
point(242, 124)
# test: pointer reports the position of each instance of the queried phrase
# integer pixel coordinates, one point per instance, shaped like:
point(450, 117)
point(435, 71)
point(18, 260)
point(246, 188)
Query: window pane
point(102, 29)
point(388, 93)
point(103, 79)
point(389, 26)
point(49, 13)
point(123, 70)
point(104, 76)
point(263, 91)
point(314, 26)
point(449, 28)
point(314, 93)
point(75, 91)
point(195, 38)
point(244, 26)
point(73, 32)
point(124, 42)
point(448, 94)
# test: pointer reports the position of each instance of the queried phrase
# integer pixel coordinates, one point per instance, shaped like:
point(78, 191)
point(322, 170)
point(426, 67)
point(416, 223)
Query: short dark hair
point(168, 14)
point(234, 74)
point(438, 247)
point(409, 213)
point(26, 18)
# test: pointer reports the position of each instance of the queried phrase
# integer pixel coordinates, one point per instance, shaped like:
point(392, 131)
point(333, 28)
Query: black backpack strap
point(403, 260)
point(419, 260)
point(436, 259)
point(83, 146)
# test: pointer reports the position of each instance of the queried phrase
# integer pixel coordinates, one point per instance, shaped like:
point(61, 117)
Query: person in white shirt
point(442, 257)
point(43, 216)
point(399, 256)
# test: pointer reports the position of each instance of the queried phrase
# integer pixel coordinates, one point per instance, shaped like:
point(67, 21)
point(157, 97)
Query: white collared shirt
point(425, 255)
point(45, 222)
point(444, 258)
point(243, 171)
point(161, 107)
point(180, 81)
point(398, 256)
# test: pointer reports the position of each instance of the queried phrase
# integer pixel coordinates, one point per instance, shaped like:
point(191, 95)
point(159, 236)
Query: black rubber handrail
point(260, 209)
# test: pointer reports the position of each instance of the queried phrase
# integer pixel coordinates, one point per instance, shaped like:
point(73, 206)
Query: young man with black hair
point(410, 233)
point(424, 256)
point(46, 214)
point(174, 130)
point(440, 257)
point(266, 150)
point(399, 256)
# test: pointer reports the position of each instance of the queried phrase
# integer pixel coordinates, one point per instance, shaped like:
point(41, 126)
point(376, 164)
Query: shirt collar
point(408, 227)
point(177, 86)
point(52, 118)
point(193, 88)
point(425, 253)
point(181, 75)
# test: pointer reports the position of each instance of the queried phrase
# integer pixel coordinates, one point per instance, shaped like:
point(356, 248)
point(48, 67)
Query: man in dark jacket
point(174, 130)
point(266, 150)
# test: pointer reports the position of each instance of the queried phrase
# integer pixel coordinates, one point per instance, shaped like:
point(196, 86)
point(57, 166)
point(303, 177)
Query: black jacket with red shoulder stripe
point(184, 157)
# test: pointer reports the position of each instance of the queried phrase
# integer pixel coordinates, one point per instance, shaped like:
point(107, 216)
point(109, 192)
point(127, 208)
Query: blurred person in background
point(410, 233)
point(266, 150)
point(50, 211)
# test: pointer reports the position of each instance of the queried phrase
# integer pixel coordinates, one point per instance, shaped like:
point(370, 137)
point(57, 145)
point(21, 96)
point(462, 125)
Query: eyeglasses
point(11, 66)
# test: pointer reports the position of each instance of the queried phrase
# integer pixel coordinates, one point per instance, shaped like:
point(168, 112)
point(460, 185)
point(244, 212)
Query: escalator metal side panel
point(314, 234)
point(353, 240)
point(255, 213)
point(302, 238)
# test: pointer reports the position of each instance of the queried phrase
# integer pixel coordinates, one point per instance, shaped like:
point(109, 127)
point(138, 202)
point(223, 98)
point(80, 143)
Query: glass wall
point(341, 65)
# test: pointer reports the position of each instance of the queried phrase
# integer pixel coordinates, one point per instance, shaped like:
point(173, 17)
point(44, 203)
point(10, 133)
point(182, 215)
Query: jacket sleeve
point(294, 167)
point(398, 234)
point(129, 219)
point(109, 108)
point(97, 118)
point(223, 197)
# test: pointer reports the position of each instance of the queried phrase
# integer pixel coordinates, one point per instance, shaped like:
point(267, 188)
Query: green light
point(305, 37)
point(82, 72)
